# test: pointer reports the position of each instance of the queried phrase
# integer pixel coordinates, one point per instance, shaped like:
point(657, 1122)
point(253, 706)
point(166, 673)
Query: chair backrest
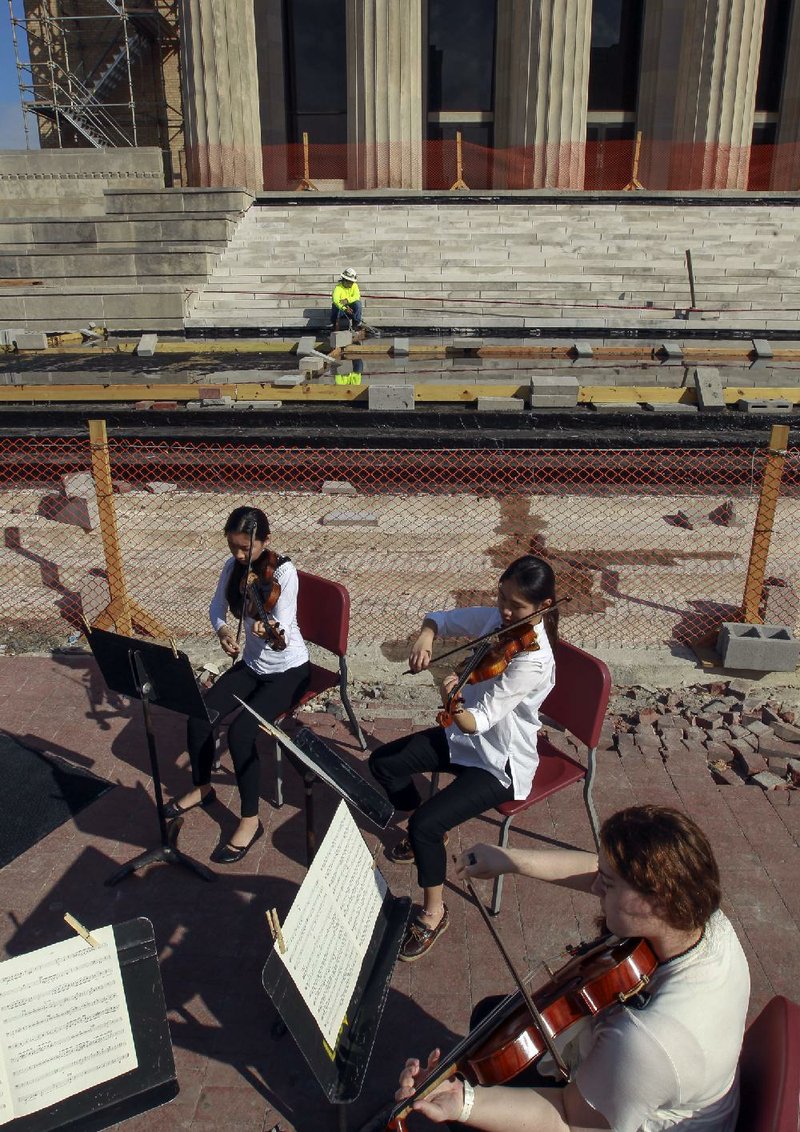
point(580, 697)
point(770, 1070)
point(323, 612)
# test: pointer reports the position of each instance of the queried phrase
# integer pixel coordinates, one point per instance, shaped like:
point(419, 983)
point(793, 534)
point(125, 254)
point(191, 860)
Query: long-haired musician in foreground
point(669, 1058)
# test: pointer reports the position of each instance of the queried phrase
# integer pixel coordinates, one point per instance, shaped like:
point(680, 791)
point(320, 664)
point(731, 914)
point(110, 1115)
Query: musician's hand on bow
point(421, 651)
point(228, 641)
point(445, 1102)
point(483, 861)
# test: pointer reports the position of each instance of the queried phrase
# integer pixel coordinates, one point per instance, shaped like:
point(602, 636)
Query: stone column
point(542, 91)
point(658, 88)
point(220, 93)
point(384, 93)
point(786, 167)
point(717, 75)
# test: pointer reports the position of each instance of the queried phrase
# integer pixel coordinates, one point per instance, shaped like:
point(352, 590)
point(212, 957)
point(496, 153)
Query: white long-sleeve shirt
point(505, 709)
point(258, 655)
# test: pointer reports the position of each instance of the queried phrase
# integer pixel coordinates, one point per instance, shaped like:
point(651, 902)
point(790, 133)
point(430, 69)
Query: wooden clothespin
point(81, 930)
point(275, 929)
point(86, 627)
point(173, 646)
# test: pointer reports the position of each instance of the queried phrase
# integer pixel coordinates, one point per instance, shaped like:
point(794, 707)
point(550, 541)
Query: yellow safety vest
point(345, 296)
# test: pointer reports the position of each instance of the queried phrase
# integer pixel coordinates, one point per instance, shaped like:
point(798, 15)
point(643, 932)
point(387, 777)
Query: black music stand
point(154, 674)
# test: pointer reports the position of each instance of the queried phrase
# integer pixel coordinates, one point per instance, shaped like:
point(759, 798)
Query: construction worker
point(346, 298)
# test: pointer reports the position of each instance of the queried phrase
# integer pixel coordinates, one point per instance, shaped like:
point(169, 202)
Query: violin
point(602, 974)
point(488, 662)
point(260, 592)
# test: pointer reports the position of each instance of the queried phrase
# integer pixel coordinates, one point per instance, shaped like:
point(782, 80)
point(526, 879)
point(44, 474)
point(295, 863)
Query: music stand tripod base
point(169, 853)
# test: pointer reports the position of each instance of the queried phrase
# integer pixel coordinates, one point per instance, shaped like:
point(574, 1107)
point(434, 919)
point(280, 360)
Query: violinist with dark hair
point(486, 736)
point(260, 589)
point(667, 1056)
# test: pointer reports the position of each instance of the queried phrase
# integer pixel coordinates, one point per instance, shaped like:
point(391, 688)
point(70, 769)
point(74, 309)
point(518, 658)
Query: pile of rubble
point(744, 734)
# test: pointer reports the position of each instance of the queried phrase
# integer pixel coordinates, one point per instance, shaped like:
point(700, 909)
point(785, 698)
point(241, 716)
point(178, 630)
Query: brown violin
point(605, 973)
point(488, 662)
point(260, 592)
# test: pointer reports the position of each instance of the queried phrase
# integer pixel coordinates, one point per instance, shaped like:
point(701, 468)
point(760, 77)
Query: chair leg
point(497, 891)
point(348, 707)
point(434, 784)
point(278, 776)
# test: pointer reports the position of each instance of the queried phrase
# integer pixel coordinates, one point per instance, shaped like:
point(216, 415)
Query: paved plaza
point(213, 939)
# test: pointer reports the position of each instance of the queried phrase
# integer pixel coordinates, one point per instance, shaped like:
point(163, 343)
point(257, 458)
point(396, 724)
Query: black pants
point(473, 791)
point(271, 696)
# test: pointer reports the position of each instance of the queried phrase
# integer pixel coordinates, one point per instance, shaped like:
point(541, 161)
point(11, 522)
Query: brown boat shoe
point(402, 851)
point(420, 938)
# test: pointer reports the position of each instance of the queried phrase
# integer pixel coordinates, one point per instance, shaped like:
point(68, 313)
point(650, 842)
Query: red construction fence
point(651, 545)
point(591, 166)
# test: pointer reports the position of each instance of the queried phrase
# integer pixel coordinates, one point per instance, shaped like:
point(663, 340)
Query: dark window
point(773, 55)
point(476, 156)
point(614, 61)
point(317, 70)
point(461, 55)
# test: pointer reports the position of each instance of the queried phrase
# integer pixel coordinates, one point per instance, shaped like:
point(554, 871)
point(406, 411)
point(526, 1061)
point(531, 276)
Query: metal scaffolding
point(98, 72)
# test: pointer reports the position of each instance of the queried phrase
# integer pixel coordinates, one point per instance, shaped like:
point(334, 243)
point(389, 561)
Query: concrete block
point(465, 346)
point(725, 516)
point(310, 366)
point(338, 487)
point(388, 398)
point(554, 385)
point(691, 516)
point(341, 338)
point(581, 350)
point(670, 351)
point(31, 340)
point(350, 519)
point(674, 407)
point(146, 346)
point(708, 387)
point(9, 337)
point(762, 348)
point(287, 380)
point(400, 347)
point(257, 405)
point(218, 402)
point(545, 401)
point(306, 345)
point(763, 407)
point(79, 487)
point(501, 404)
point(762, 648)
point(72, 511)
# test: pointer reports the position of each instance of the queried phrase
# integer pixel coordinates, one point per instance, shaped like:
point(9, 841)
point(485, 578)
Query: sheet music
point(330, 924)
point(64, 1024)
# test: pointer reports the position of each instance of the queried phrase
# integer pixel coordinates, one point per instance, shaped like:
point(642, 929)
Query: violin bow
point(246, 576)
point(523, 990)
point(492, 633)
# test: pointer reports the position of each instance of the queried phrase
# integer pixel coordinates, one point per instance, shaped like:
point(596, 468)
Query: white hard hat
point(349, 275)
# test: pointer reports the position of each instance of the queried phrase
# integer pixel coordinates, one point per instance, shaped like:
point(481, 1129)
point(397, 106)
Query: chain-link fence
point(652, 545)
point(592, 166)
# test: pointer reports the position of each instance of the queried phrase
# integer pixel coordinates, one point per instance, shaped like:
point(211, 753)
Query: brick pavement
point(213, 939)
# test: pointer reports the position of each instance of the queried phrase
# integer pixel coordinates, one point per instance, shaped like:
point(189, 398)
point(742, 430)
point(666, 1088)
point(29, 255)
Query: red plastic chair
point(578, 703)
point(323, 614)
point(770, 1070)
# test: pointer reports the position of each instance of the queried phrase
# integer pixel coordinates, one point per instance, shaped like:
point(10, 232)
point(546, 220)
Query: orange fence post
point(122, 612)
point(762, 531)
point(634, 182)
point(306, 182)
point(459, 182)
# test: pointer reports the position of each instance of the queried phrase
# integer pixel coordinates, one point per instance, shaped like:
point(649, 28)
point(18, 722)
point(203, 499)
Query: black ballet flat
point(172, 810)
point(230, 854)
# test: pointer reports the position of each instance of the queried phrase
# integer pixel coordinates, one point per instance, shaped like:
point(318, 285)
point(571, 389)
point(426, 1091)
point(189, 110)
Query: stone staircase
point(515, 264)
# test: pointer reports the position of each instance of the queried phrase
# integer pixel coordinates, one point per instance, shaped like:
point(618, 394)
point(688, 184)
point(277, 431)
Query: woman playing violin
point(260, 589)
point(487, 739)
point(665, 1059)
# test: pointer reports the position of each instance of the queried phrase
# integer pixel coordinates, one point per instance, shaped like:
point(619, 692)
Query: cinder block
point(338, 487)
point(311, 366)
point(554, 385)
point(9, 337)
point(341, 338)
point(146, 346)
point(465, 346)
point(79, 486)
point(400, 347)
point(388, 398)
point(671, 351)
point(762, 348)
point(762, 648)
point(581, 350)
point(306, 345)
point(708, 387)
point(31, 340)
point(350, 519)
point(501, 404)
point(673, 407)
point(554, 401)
point(286, 380)
point(764, 407)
